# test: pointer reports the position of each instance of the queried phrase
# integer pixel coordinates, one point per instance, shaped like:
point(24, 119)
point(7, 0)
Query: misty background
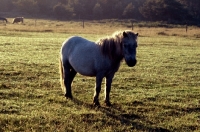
point(170, 11)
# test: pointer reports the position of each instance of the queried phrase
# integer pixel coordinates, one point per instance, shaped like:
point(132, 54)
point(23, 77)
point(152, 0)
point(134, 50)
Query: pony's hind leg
point(68, 78)
point(72, 75)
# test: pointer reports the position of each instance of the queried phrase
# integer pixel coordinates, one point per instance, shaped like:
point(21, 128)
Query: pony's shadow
point(117, 113)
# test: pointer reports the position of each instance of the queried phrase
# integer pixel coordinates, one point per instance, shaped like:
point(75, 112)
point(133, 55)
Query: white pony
point(100, 59)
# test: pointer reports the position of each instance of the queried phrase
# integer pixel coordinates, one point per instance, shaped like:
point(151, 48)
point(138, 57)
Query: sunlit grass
point(160, 93)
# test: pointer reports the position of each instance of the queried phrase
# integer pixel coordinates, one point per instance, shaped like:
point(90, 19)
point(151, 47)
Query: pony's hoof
point(68, 96)
point(96, 103)
point(108, 103)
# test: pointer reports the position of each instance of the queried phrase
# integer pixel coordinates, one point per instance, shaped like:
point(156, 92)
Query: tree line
point(179, 11)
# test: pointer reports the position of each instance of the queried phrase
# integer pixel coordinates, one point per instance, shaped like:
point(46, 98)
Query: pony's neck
point(111, 48)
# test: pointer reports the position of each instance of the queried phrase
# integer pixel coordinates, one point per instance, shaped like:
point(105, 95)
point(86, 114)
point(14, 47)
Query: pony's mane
point(111, 46)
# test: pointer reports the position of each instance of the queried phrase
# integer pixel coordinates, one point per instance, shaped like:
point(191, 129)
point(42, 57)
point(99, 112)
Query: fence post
point(35, 22)
point(132, 25)
point(186, 27)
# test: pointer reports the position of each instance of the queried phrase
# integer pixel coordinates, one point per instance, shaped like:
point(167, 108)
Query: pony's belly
point(87, 74)
point(85, 71)
point(85, 68)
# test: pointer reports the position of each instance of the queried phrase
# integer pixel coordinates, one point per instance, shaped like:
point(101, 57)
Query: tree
point(163, 10)
point(62, 11)
point(129, 11)
point(44, 7)
point(174, 10)
point(148, 9)
point(108, 7)
point(6, 5)
point(89, 6)
point(154, 10)
point(28, 6)
point(193, 8)
point(118, 10)
point(78, 7)
point(97, 11)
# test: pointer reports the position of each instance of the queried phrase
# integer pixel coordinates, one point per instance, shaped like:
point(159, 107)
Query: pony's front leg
point(97, 91)
point(107, 90)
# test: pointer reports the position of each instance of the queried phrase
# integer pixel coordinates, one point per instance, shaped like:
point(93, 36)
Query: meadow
point(161, 93)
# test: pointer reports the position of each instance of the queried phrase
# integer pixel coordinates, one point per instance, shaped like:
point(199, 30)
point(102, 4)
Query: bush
point(62, 11)
point(29, 6)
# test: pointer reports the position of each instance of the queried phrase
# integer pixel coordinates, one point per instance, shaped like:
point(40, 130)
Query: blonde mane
point(111, 46)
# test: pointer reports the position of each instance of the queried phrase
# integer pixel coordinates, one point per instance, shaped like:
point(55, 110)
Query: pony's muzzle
point(131, 62)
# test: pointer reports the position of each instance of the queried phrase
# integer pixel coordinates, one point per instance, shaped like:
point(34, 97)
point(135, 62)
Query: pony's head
point(120, 45)
point(129, 45)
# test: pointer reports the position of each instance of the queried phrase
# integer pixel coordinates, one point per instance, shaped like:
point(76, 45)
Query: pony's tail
point(61, 75)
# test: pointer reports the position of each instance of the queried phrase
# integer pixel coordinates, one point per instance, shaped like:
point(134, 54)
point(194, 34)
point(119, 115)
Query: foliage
point(62, 11)
point(29, 6)
point(129, 10)
point(45, 7)
point(193, 7)
point(178, 11)
point(78, 7)
point(6, 5)
point(97, 11)
point(166, 10)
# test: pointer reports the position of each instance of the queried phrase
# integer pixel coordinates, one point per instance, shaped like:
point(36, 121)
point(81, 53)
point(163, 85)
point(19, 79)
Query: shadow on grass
point(116, 113)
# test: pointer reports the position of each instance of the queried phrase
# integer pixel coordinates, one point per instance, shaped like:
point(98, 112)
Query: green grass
point(162, 92)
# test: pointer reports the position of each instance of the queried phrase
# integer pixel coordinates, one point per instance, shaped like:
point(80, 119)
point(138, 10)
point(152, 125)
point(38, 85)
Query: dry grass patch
point(160, 94)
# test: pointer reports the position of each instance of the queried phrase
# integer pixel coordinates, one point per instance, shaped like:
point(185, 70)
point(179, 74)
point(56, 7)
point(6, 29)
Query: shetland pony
point(97, 59)
point(3, 19)
point(18, 19)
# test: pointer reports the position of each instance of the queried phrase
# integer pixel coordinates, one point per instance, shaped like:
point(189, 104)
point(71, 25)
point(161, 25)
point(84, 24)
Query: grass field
point(161, 93)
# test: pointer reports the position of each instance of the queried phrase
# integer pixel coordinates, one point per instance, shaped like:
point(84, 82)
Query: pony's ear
point(136, 34)
point(125, 34)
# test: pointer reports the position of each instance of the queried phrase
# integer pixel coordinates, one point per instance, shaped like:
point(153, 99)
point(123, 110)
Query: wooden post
point(83, 24)
point(132, 24)
point(186, 28)
point(35, 22)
